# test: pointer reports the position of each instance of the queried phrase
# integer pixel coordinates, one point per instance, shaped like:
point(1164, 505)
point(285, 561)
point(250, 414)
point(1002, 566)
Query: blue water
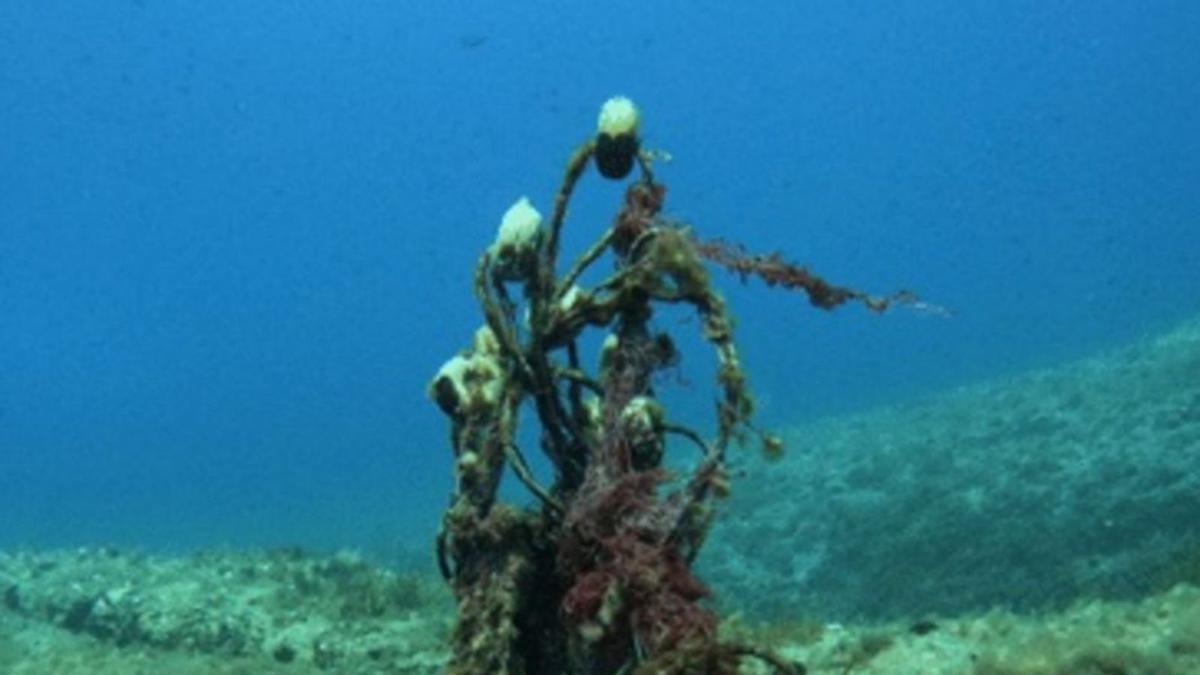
point(236, 237)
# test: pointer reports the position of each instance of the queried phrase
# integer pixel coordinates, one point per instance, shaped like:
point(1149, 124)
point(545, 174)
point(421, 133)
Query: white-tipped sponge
point(517, 240)
point(617, 143)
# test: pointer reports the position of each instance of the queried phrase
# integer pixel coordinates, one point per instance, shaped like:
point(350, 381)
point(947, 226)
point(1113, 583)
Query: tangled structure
point(596, 578)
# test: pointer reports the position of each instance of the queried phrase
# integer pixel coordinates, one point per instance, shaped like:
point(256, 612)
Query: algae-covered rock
point(1027, 492)
point(261, 610)
point(1156, 635)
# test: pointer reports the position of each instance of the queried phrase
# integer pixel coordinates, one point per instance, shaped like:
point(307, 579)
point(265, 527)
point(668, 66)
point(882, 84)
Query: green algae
point(293, 600)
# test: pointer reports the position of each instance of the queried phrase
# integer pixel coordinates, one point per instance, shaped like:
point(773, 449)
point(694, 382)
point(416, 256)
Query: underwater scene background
point(236, 242)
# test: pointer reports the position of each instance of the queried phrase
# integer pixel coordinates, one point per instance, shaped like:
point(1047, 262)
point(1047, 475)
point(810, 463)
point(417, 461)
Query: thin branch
point(497, 320)
point(582, 262)
point(525, 475)
point(443, 556)
point(577, 376)
point(575, 166)
point(776, 271)
point(680, 430)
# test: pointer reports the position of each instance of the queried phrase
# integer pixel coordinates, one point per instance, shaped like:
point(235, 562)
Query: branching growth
point(598, 579)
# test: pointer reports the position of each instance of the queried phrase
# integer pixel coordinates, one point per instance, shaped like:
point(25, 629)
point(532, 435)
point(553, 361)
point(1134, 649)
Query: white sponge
point(517, 241)
point(618, 116)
